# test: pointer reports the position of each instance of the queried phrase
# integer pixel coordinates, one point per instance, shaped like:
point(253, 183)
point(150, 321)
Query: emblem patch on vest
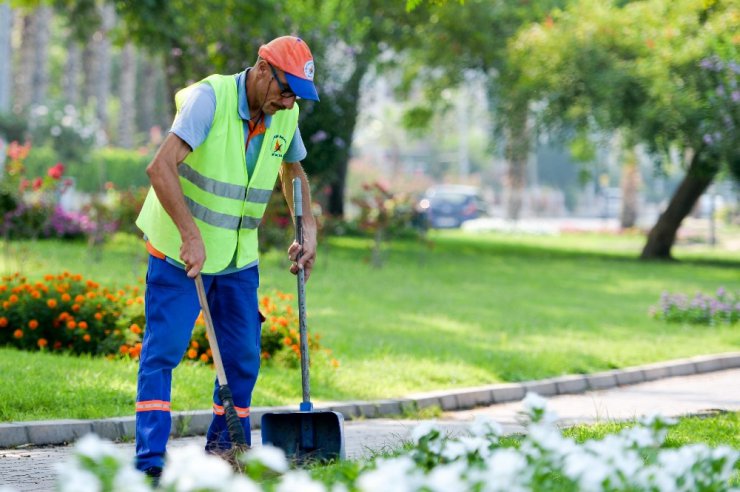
point(278, 146)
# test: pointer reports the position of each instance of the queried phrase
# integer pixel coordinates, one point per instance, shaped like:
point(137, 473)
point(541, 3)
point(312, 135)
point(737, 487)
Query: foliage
point(12, 127)
point(702, 309)
point(70, 132)
point(665, 72)
point(385, 215)
point(634, 459)
point(65, 312)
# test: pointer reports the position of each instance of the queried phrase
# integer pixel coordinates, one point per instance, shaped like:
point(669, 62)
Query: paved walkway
point(31, 469)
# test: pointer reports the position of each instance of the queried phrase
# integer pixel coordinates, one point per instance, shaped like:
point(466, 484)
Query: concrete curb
point(192, 423)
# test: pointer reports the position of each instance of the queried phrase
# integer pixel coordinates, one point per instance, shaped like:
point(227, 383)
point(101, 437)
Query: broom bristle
point(231, 456)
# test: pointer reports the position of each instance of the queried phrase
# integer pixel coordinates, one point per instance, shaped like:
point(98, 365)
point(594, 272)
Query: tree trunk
point(6, 68)
point(24, 76)
point(147, 91)
point(70, 81)
point(517, 154)
point(89, 70)
point(103, 59)
point(40, 87)
point(630, 187)
point(127, 115)
point(699, 176)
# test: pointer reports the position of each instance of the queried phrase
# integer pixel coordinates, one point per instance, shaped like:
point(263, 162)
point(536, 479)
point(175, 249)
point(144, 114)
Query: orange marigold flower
point(36, 294)
point(123, 349)
point(52, 303)
point(66, 297)
point(334, 363)
point(287, 340)
point(57, 345)
point(129, 302)
point(75, 307)
point(3, 321)
point(82, 325)
point(210, 354)
point(192, 353)
point(79, 298)
point(86, 337)
point(71, 325)
point(6, 305)
point(194, 344)
point(265, 355)
point(91, 295)
point(18, 334)
point(64, 316)
point(77, 277)
point(13, 298)
point(98, 316)
point(48, 277)
point(3, 288)
point(135, 328)
point(42, 342)
point(33, 324)
point(204, 357)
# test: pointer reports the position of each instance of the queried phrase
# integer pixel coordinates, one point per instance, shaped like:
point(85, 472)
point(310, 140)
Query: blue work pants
point(171, 310)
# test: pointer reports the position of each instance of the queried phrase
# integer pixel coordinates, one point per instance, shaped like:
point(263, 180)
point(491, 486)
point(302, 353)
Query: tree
point(664, 72)
point(451, 39)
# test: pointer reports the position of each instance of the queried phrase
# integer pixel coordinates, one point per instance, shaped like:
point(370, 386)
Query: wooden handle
point(210, 332)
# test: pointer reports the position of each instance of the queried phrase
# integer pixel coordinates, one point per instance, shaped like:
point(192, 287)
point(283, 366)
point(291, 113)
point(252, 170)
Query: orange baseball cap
point(291, 55)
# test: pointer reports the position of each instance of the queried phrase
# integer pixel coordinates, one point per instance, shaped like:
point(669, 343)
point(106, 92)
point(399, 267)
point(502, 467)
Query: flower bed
point(636, 459)
point(724, 307)
point(68, 313)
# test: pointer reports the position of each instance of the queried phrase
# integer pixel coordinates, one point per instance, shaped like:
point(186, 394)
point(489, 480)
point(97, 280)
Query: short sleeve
point(193, 121)
point(297, 150)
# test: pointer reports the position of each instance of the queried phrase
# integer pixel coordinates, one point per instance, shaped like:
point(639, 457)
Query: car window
point(454, 198)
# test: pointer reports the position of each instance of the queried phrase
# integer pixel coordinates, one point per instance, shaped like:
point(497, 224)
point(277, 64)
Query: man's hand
point(307, 253)
point(193, 254)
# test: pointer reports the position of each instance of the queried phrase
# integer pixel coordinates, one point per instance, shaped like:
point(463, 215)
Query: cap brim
point(303, 88)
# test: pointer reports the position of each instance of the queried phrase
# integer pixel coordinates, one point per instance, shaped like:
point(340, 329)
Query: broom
point(233, 424)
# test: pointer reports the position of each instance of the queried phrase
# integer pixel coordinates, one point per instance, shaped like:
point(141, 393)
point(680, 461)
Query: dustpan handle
point(306, 404)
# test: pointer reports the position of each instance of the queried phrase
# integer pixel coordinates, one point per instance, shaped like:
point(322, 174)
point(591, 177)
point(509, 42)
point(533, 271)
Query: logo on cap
point(308, 69)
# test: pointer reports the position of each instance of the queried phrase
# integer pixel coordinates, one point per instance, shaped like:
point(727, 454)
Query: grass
point(472, 309)
point(713, 430)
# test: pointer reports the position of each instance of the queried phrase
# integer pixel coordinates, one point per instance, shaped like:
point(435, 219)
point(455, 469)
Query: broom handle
point(217, 362)
point(298, 211)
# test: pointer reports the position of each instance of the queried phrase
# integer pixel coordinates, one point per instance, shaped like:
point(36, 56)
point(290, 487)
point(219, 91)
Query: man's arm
point(165, 180)
point(289, 171)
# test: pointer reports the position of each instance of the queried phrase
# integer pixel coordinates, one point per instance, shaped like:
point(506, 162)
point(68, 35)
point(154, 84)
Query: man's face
point(279, 96)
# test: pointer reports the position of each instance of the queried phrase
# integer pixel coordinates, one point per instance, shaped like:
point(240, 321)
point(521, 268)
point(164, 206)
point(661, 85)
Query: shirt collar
point(243, 105)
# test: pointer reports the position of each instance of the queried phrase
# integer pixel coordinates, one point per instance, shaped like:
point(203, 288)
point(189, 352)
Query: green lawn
point(471, 309)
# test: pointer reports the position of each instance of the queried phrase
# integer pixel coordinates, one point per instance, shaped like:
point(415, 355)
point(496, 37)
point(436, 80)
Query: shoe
point(155, 474)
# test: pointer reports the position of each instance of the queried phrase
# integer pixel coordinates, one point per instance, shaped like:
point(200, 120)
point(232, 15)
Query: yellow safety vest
point(226, 204)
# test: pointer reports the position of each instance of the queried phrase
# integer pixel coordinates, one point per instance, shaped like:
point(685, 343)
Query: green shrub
point(702, 309)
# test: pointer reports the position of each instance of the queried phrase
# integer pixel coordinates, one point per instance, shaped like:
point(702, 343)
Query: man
point(211, 181)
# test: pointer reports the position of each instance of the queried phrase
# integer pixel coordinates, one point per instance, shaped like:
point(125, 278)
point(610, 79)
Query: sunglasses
point(285, 90)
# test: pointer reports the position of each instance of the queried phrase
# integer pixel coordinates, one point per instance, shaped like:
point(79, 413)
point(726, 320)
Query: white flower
point(507, 471)
point(391, 475)
point(640, 436)
point(241, 483)
point(190, 469)
point(72, 478)
point(270, 456)
point(294, 481)
point(129, 479)
point(445, 478)
point(533, 401)
point(96, 448)
point(484, 426)
point(422, 429)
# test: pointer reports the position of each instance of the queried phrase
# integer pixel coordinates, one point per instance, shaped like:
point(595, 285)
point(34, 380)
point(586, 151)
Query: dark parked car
point(448, 206)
